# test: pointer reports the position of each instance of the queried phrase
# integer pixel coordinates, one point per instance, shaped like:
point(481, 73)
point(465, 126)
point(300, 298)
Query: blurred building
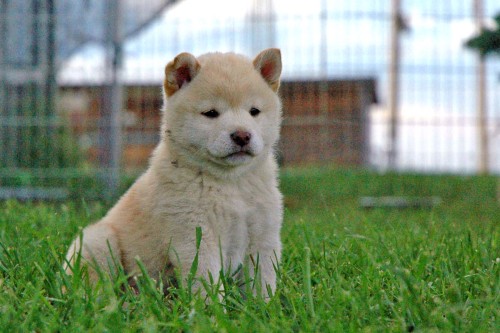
point(326, 121)
point(323, 121)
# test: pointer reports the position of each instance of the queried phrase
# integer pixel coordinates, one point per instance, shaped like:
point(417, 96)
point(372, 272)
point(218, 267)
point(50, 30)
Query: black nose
point(241, 138)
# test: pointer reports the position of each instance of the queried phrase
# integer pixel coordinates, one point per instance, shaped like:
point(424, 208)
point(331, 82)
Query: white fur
point(195, 179)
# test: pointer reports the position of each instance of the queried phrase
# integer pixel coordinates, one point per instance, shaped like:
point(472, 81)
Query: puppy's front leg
point(264, 252)
point(268, 271)
point(262, 266)
point(204, 262)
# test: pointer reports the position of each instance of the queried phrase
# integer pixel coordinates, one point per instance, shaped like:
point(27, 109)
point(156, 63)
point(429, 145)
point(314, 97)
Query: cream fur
point(192, 182)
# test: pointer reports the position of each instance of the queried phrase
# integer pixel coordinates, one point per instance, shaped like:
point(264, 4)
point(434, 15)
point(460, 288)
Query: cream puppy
point(214, 168)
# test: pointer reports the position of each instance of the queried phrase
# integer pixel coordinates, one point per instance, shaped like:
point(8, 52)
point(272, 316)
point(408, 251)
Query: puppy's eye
point(211, 114)
point(254, 112)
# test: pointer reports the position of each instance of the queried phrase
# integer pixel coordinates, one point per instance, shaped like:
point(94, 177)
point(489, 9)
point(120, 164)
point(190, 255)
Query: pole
point(482, 122)
point(394, 56)
point(262, 25)
point(112, 100)
point(3, 100)
point(324, 130)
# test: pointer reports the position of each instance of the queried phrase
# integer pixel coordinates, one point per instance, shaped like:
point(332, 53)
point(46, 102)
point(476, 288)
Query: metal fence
point(58, 133)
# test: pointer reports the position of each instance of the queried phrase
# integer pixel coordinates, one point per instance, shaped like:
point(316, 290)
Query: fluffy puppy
point(214, 168)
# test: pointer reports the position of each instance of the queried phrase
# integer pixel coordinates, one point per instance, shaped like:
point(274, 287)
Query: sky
point(340, 39)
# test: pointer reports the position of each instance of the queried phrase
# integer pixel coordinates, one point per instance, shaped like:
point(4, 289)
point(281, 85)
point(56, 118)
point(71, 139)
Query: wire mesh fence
point(59, 135)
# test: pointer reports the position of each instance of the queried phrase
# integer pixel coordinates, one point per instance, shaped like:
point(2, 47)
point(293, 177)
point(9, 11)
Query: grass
point(343, 268)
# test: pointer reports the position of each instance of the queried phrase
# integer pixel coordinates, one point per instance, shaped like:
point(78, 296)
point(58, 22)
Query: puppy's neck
point(167, 162)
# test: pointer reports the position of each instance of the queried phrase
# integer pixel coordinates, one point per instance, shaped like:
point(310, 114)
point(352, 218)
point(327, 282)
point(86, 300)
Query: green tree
point(488, 40)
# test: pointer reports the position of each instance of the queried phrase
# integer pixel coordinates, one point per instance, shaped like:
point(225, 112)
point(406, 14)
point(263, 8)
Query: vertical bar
point(262, 22)
point(324, 133)
point(52, 130)
point(364, 92)
point(482, 122)
point(112, 101)
point(394, 56)
point(3, 87)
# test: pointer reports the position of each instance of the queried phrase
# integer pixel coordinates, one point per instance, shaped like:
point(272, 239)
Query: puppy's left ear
point(268, 64)
point(179, 72)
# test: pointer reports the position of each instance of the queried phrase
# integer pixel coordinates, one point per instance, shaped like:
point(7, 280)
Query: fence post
point(3, 66)
point(112, 101)
point(394, 56)
point(482, 121)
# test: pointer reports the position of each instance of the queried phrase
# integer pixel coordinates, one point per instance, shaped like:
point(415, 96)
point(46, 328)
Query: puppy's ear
point(179, 72)
point(268, 64)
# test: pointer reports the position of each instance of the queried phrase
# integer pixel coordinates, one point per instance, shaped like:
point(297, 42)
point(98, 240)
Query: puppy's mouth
point(240, 153)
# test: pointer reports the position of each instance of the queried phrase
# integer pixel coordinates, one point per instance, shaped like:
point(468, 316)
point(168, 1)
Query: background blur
point(384, 84)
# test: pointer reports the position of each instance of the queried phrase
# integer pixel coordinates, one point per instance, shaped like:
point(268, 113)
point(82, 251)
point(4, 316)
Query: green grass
point(343, 268)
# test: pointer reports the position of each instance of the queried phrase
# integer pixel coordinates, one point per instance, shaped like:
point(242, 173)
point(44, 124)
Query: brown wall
point(323, 121)
point(326, 121)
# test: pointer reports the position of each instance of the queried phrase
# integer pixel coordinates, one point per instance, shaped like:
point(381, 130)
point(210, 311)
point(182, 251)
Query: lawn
point(344, 268)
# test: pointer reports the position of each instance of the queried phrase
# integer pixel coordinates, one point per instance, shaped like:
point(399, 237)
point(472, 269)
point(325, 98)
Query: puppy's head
point(222, 112)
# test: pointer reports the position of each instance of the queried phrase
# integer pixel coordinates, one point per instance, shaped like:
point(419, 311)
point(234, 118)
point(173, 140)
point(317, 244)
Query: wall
point(322, 121)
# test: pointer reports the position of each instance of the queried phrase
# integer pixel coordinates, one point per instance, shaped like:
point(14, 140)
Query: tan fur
point(198, 177)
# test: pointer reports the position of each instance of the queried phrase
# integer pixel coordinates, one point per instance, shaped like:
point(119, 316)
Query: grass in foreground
point(343, 268)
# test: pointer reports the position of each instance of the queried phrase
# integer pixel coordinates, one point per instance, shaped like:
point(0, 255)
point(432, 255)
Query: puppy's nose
point(241, 138)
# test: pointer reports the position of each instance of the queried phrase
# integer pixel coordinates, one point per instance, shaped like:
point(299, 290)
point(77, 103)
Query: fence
point(56, 131)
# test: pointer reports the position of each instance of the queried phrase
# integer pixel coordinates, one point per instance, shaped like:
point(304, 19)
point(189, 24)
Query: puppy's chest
point(220, 207)
point(231, 216)
point(225, 208)
point(226, 215)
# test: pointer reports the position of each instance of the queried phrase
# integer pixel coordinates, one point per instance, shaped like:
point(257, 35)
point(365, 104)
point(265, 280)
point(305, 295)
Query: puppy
point(214, 169)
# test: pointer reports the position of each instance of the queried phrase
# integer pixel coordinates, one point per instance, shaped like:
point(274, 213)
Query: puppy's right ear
point(179, 72)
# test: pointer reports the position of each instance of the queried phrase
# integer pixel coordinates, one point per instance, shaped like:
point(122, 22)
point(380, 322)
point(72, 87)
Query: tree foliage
point(488, 41)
